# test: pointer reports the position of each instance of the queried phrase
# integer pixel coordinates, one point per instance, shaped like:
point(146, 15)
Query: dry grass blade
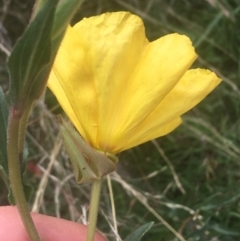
point(143, 200)
point(110, 225)
point(42, 186)
point(221, 146)
point(228, 143)
point(5, 50)
point(112, 206)
point(171, 167)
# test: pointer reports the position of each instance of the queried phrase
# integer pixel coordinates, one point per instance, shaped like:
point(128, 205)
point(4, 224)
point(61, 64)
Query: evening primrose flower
point(119, 89)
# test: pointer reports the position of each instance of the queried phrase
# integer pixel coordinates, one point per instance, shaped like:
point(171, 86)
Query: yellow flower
point(121, 90)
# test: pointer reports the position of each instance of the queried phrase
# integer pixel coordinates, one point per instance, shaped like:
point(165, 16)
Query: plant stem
point(94, 204)
point(22, 128)
point(15, 174)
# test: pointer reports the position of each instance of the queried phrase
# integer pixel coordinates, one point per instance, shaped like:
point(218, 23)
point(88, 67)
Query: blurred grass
point(203, 154)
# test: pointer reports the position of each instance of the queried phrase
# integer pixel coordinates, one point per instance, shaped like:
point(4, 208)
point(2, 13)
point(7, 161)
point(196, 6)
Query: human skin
point(49, 228)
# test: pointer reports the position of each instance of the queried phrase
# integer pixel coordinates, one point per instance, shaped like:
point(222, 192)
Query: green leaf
point(138, 234)
point(88, 164)
point(32, 57)
point(31, 53)
point(224, 230)
point(31, 61)
point(64, 12)
point(3, 137)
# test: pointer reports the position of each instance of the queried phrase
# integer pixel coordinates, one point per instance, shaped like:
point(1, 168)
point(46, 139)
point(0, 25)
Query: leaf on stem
point(33, 55)
point(63, 14)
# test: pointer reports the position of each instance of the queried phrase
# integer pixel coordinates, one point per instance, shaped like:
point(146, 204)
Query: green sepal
point(138, 234)
point(88, 163)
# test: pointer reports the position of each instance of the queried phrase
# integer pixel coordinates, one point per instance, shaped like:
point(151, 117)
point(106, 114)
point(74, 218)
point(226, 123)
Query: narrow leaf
point(64, 12)
point(31, 53)
point(138, 234)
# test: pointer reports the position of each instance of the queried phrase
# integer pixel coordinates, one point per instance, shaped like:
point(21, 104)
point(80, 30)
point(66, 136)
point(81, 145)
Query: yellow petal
point(147, 134)
point(194, 86)
point(75, 79)
point(113, 43)
point(118, 89)
point(161, 66)
point(55, 86)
